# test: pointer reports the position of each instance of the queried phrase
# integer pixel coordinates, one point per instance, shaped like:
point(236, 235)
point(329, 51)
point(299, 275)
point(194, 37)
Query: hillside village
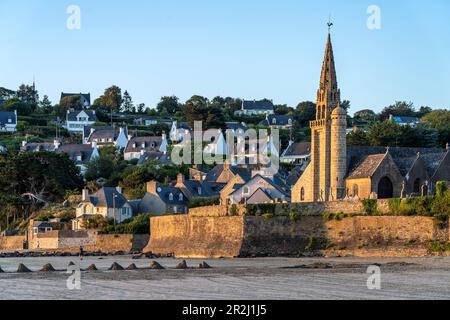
point(106, 164)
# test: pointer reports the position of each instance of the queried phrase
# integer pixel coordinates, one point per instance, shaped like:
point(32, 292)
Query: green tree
point(304, 113)
point(111, 99)
point(127, 105)
point(46, 105)
point(168, 105)
point(365, 115)
point(22, 108)
point(400, 108)
point(28, 94)
point(103, 167)
point(358, 138)
point(439, 120)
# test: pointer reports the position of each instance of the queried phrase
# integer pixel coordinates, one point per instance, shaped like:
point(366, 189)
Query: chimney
point(92, 130)
point(56, 144)
point(180, 178)
point(119, 190)
point(447, 146)
point(94, 144)
point(85, 195)
point(152, 187)
point(24, 143)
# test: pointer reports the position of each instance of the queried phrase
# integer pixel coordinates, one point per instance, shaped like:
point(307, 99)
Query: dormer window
point(9, 120)
point(199, 191)
point(246, 190)
point(171, 197)
point(274, 121)
point(180, 197)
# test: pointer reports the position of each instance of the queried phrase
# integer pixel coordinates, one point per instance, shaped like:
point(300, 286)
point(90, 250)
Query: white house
point(250, 108)
point(178, 132)
point(77, 120)
point(8, 121)
point(218, 145)
point(106, 136)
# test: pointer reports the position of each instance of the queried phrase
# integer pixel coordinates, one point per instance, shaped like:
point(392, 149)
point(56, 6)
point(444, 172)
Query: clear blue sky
point(242, 48)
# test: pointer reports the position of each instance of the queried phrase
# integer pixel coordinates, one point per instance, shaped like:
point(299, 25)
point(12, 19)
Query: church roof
point(366, 167)
point(404, 158)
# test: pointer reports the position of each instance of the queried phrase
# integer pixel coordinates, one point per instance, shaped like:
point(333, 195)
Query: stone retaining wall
point(241, 236)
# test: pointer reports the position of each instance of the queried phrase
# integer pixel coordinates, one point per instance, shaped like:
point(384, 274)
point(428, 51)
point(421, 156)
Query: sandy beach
point(265, 278)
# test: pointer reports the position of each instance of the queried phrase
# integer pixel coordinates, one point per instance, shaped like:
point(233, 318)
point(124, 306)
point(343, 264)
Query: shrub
point(441, 188)
point(394, 206)
point(204, 202)
point(233, 211)
point(267, 216)
point(438, 247)
point(370, 207)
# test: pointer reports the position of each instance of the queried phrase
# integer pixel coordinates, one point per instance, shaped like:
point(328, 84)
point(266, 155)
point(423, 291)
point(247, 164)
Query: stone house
point(109, 203)
point(160, 200)
point(197, 188)
point(277, 121)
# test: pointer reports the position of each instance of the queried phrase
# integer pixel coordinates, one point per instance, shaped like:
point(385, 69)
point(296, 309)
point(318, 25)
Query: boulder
point(23, 269)
point(48, 268)
point(182, 265)
point(92, 267)
point(204, 265)
point(132, 267)
point(156, 266)
point(116, 267)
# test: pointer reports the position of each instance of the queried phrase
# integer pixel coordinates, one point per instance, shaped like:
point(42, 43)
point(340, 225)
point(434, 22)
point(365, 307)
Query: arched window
point(355, 190)
point(385, 188)
point(171, 197)
point(180, 197)
point(302, 194)
point(324, 112)
point(417, 186)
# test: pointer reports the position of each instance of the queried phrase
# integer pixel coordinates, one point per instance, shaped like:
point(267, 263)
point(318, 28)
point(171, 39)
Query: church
point(337, 172)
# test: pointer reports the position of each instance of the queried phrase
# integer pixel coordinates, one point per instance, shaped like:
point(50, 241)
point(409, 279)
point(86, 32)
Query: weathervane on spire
point(329, 24)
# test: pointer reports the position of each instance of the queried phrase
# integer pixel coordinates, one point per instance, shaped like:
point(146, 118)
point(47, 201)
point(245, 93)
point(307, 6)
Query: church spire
point(328, 79)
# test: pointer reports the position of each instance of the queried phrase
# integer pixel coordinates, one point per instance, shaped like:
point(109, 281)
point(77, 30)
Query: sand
point(265, 278)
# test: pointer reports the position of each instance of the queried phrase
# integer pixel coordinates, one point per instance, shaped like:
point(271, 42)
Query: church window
point(302, 194)
point(171, 197)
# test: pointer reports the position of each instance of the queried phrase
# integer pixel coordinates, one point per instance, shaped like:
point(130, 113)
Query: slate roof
point(236, 126)
point(84, 97)
point(164, 194)
point(366, 167)
point(274, 120)
point(106, 132)
point(137, 144)
point(153, 155)
point(259, 196)
point(76, 150)
point(403, 157)
point(104, 198)
point(299, 149)
point(38, 147)
point(72, 115)
point(257, 105)
point(5, 116)
point(208, 189)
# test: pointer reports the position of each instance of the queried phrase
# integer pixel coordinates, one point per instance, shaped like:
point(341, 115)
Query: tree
point(283, 109)
point(101, 167)
point(196, 109)
point(304, 113)
point(345, 105)
point(357, 138)
point(365, 115)
point(71, 102)
point(28, 94)
point(111, 99)
point(127, 105)
point(168, 105)
point(23, 109)
point(439, 120)
point(46, 105)
point(215, 119)
point(400, 108)
point(141, 108)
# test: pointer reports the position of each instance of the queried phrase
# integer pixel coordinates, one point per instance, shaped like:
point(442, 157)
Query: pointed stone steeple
point(328, 95)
